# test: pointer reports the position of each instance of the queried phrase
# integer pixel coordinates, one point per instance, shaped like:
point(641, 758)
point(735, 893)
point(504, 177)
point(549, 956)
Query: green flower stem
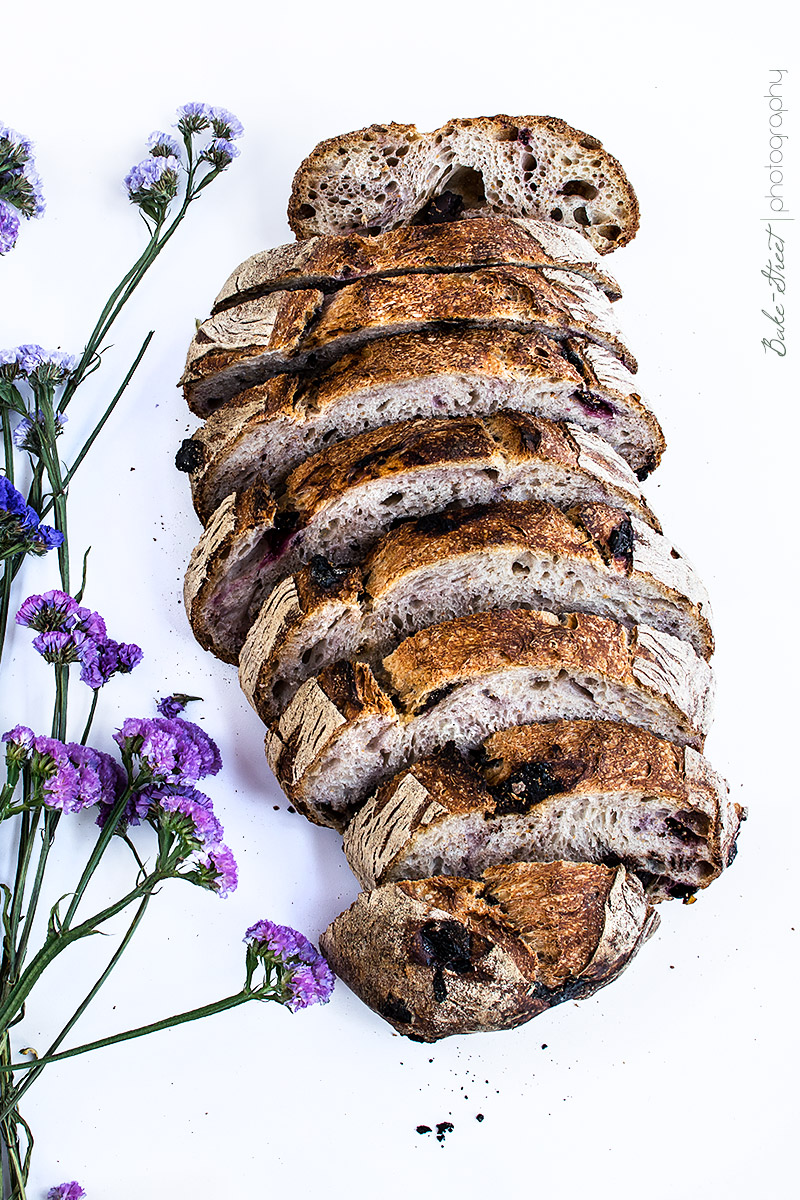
point(27, 838)
point(90, 718)
point(58, 942)
point(194, 1014)
point(8, 445)
point(51, 819)
point(34, 1074)
point(106, 834)
point(60, 706)
point(90, 440)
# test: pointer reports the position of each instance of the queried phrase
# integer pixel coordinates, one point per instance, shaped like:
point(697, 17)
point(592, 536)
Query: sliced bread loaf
point(307, 328)
point(390, 175)
point(329, 262)
point(343, 734)
point(339, 502)
point(585, 791)
point(514, 554)
point(445, 956)
point(262, 434)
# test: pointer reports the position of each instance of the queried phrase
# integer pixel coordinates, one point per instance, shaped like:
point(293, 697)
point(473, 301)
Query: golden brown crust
point(445, 956)
point(484, 643)
point(330, 261)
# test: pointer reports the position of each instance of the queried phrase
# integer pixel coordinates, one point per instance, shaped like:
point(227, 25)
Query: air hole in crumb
point(557, 214)
point(393, 498)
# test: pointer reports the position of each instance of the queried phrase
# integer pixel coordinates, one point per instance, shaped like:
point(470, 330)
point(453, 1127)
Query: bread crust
point(328, 262)
point(465, 679)
point(469, 458)
point(532, 144)
point(522, 788)
point(266, 431)
point(446, 956)
point(441, 561)
point(293, 330)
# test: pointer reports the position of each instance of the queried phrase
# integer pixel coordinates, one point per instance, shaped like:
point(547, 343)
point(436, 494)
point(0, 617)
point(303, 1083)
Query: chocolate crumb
point(424, 1129)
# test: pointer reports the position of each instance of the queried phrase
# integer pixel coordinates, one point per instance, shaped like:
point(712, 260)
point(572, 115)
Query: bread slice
point(296, 330)
point(390, 175)
point(329, 262)
point(514, 554)
point(585, 791)
point(339, 503)
point(343, 734)
point(263, 433)
point(443, 956)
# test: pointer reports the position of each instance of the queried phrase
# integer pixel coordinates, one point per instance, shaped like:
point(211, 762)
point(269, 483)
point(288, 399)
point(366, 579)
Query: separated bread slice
point(593, 558)
point(262, 434)
point(443, 956)
point(329, 262)
point(390, 175)
point(343, 734)
point(339, 503)
point(295, 330)
point(585, 791)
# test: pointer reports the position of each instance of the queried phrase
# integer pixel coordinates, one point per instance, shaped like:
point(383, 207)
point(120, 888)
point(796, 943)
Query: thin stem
point(100, 846)
point(60, 706)
point(194, 1014)
point(34, 1074)
point(57, 943)
point(51, 820)
point(90, 718)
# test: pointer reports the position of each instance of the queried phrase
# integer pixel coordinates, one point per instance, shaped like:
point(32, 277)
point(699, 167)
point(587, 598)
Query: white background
point(678, 1079)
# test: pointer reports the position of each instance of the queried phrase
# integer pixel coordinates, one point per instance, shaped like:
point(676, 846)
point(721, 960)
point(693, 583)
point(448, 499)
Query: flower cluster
point(69, 633)
point(67, 1191)
point(72, 777)
point(153, 183)
point(21, 531)
point(303, 974)
point(168, 750)
point(20, 186)
point(33, 364)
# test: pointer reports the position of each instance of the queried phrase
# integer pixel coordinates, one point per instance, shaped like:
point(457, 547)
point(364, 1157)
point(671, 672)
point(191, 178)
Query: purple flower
point(67, 1191)
point(9, 227)
point(163, 145)
point(225, 124)
point(20, 529)
point(193, 117)
point(307, 978)
point(220, 867)
point(19, 743)
point(220, 153)
point(52, 610)
point(189, 815)
point(171, 750)
point(153, 183)
point(75, 776)
point(171, 706)
point(25, 435)
point(60, 646)
point(107, 658)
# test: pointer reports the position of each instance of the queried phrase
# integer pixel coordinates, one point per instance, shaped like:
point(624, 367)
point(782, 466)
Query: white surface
point(676, 1080)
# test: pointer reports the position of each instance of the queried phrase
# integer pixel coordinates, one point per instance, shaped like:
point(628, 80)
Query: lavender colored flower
point(171, 750)
point(220, 153)
point(75, 777)
point(66, 1191)
point(225, 124)
point(189, 815)
point(60, 646)
point(26, 436)
point(163, 145)
point(219, 867)
point(193, 117)
point(171, 706)
point(52, 610)
point(19, 743)
point(9, 227)
point(307, 978)
point(90, 623)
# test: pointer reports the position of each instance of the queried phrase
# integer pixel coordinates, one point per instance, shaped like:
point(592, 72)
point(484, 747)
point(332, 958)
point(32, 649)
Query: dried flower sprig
point(145, 794)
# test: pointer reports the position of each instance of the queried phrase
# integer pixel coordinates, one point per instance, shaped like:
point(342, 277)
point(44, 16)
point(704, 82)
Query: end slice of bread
point(443, 956)
point(386, 176)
